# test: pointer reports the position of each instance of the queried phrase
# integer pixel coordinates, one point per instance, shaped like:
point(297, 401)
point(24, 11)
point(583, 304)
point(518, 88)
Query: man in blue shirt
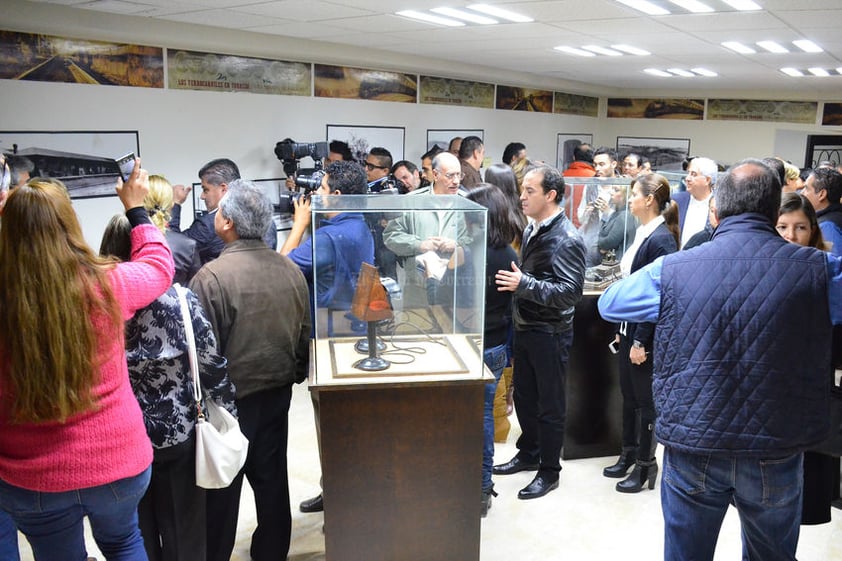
point(742, 359)
point(823, 189)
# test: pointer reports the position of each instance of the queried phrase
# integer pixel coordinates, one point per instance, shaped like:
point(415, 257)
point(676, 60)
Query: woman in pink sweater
point(72, 438)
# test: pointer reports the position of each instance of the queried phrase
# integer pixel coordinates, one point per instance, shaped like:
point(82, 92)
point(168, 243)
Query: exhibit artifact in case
point(422, 326)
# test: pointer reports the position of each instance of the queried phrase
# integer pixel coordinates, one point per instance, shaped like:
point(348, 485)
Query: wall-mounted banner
point(446, 91)
point(524, 99)
point(572, 104)
point(763, 110)
point(832, 114)
point(45, 58)
point(639, 108)
point(191, 70)
point(359, 83)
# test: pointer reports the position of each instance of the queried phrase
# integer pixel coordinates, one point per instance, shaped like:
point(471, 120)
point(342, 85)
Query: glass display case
point(421, 321)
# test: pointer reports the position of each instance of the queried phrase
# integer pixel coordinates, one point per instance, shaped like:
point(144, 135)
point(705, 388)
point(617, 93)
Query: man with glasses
point(377, 163)
point(429, 235)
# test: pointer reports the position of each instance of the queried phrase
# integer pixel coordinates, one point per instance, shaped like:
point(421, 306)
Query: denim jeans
point(52, 522)
point(495, 359)
point(8, 538)
point(697, 489)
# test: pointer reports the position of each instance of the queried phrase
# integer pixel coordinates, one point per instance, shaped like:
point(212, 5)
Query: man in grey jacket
point(258, 304)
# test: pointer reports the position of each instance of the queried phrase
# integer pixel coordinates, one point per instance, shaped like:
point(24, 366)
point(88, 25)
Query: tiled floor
point(585, 519)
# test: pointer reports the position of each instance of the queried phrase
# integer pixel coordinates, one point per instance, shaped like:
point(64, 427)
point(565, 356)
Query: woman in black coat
point(657, 235)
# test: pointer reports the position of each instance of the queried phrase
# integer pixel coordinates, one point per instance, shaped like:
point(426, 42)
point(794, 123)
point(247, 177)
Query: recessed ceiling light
point(839, 70)
point(807, 46)
point(645, 7)
point(794, 72)
point(819, 72)
point(681, 72)
point(693, 6)
point(772, 47)
point(743, 5)
point(467, 16)
point(704, 72)
point(738, 47)
point(631, 50)
point(656, 72)
point(573, 51)
point(430, 18)
point(602, 50)
point(500, 13)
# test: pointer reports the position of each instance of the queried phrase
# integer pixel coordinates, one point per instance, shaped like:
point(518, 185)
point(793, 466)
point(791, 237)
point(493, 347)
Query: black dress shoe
point(316, 504)
point(513, 466)
point(540, 486)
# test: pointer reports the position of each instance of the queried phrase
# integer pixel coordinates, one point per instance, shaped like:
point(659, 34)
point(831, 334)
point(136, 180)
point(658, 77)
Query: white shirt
point(695, 219)
point(533, 227)
point(643, 231)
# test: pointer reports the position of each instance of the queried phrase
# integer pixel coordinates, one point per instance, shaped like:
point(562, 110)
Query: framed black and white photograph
point(565, 145)
point(85, 161)
point(442, 137)
point(663, 153)
point(361, 139)
point(823, 148)
point(275, 189)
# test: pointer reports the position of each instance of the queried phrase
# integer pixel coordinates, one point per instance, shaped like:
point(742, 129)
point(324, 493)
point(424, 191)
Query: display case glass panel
point(425, 316)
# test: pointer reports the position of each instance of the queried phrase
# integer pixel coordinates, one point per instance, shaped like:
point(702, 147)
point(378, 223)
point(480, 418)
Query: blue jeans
point(52, 522)
point(495, 359)
point(697, 489)
point(8, 538)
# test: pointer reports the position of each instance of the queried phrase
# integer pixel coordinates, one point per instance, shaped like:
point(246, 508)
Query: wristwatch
point(637, 344)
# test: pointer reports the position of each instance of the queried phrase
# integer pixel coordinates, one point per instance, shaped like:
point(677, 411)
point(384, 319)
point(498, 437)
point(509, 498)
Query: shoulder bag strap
point(191, 345)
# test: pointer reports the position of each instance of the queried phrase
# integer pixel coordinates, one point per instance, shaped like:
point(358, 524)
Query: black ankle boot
point(619, 469)
point(643, 473)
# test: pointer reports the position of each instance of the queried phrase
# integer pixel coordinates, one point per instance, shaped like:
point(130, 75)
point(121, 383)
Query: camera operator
point(407, 173)
point(378, 163)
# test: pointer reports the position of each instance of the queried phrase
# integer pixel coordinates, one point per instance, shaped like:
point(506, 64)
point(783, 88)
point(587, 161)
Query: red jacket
point(578, 169)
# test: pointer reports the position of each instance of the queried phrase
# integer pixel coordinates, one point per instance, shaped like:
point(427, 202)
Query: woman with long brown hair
point(72, 439)
point(657, 235)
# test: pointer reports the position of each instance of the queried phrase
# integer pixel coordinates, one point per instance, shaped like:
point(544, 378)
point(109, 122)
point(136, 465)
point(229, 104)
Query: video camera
point(289, 153)
point(391, 185)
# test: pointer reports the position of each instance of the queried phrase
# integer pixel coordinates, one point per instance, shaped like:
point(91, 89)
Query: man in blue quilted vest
point(742, 370)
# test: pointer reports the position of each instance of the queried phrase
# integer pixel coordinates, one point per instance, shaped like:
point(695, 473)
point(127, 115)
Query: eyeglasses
point(369, 165)
point(452, 175)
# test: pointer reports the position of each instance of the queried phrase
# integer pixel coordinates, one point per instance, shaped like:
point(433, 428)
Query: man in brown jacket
point(258, 304)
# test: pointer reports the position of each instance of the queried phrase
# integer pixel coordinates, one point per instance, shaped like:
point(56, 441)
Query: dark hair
point(469, 145)
point(503, 177)
point(830, 180)
point(346, 177)
point(452, 140)
point(432, 152)
point(793, 202)
point(117, 239)
point(805, 173)
point(637, 158)
point(410, 167)
point(778, 167)
point(384, 157)
point(610, 152)
point(749, 186)
point(219, 171)
point(18, 164)
point(658, 186)
point(551, 180)
point(512, 149)
point(583, 152)
point(339, 147)
point(501, 229)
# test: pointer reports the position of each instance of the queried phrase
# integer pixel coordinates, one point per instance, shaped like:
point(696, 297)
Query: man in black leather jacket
point(546, 287)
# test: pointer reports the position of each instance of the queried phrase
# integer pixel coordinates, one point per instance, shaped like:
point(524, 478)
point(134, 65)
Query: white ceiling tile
point(223, 18)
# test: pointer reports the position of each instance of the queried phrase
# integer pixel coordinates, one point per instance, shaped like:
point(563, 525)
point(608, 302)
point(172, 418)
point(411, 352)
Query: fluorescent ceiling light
point(839, 70)
point(645, 7)
point(656, 72)
point(500, 13)
point(602, 50)
point(693, 6)
point(819, 72)
point(807, 46)
point(772, 47)
point(430, 18)
point(743, 5)
point(574, 51)
point(794, 72)
point(704, 72)
point(681, 72)
point(631, 50)
point(738, 48)
point(467, 16)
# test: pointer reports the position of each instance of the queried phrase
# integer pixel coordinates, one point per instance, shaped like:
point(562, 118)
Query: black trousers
point(636, 387)
point(540, 368)
point(171, 514)
point(264, 419)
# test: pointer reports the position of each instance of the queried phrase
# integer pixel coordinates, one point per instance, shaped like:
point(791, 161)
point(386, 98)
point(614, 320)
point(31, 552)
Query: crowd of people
point(724, 318)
